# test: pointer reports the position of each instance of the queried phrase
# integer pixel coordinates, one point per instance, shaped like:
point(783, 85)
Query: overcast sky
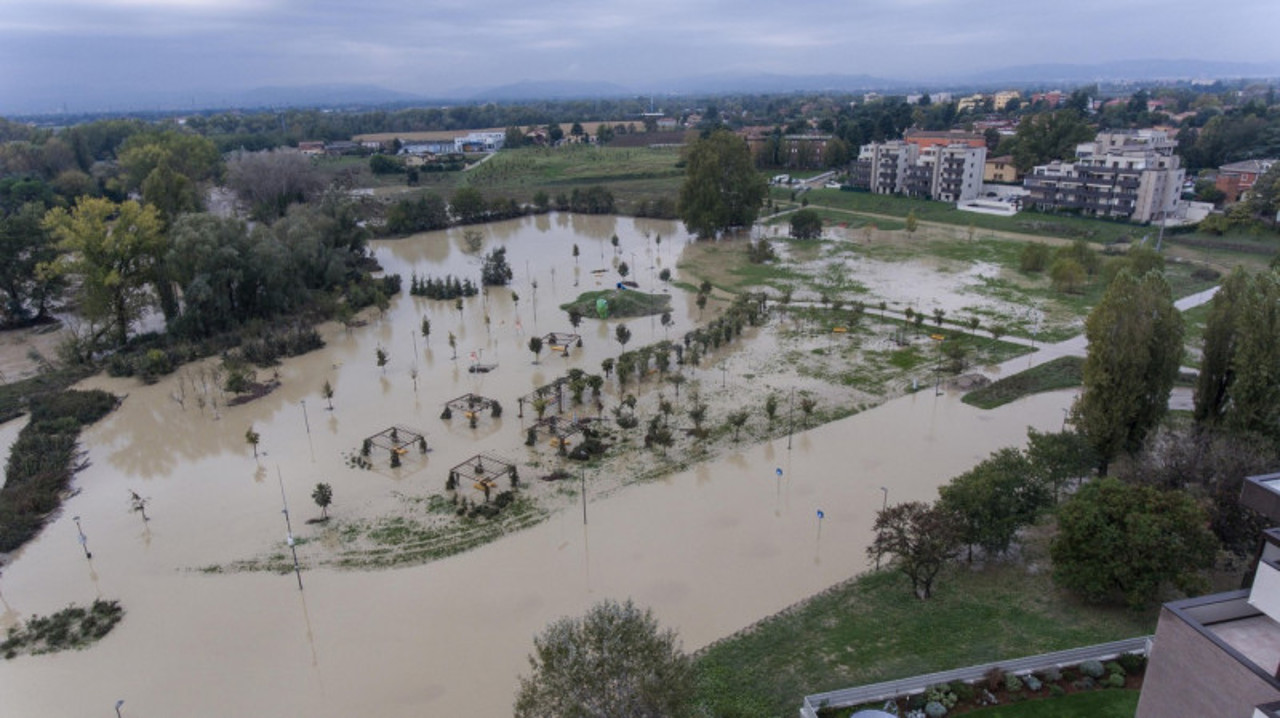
point(54, 51)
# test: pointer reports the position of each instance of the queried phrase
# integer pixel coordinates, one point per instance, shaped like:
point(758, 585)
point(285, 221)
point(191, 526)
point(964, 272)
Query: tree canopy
point(1049, 136)
point(1135, 348)
point(614, 661)
point(995, 499)
point(920, 539)
point(806, 224)
point(114, 249)
point(1117, 540)
point(721, 187)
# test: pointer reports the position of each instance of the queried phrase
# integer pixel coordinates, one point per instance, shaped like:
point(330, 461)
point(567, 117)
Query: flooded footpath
point(711, 549)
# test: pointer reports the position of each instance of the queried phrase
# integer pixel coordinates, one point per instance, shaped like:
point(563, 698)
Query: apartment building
point(1128, 174)
point(1219, 655)
point(943, 172)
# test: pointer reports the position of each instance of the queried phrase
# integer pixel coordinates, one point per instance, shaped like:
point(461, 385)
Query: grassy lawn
point(633, 174)
point(1094, 704)
point(622, 303)
point(871, 629)
point(1061, 373)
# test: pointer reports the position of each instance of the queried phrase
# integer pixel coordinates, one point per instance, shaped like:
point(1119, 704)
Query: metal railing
point(877, 692)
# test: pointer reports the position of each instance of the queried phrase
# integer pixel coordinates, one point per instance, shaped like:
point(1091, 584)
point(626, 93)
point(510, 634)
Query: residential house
point(1219, 655)
point(1237, 178)
point(311, 148)
point(1124, 174)
point(1000, 169)
point(666, 124)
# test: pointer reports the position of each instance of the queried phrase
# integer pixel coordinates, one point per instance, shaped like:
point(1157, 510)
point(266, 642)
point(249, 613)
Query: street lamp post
point(791, 411)
point(84, 540)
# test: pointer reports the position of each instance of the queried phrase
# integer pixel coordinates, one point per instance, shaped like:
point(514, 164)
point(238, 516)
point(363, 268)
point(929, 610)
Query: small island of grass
point(1061, 373)
point(623, 303)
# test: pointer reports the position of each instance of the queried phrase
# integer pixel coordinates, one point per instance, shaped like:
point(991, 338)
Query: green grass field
point(872, 629)
point(633, 174)
point(1061, 373)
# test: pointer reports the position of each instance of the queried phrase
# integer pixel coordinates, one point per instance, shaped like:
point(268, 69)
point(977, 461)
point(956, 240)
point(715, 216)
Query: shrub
point(935, 709)
point(1115, 680)
point(1115, 667)
point(1051, 674)
point(941, 693)
point(1033, 683)
point(1012, 683)
point(1084, 684)
point(1132, 663)
point(1057, 691)
point(963, 691)
point(1092, 668)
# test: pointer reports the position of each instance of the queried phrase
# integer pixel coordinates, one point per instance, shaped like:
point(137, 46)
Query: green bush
point(1132, 663)
point(934, 709)
point(1012, 683)
point(1033, 683)
point(1115, 667)
point(964, 692)
point(1115, 680)
point(1092, 668)
point(1057, 691)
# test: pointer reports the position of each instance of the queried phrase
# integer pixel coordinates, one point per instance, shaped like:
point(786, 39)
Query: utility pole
point(297, 570)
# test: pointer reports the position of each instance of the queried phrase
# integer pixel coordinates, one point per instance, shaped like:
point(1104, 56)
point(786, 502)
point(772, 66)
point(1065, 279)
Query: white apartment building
point(947, 173)
point(1128, 174)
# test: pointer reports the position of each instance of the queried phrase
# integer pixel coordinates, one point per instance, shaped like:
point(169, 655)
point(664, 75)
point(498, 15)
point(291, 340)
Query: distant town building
point(924, 138)
point(311, 148)
point(1004, 97)
point(972, 102)
point(1236, 179)
point(1219, 655)
point(1128, 174)
point(945, 172)
point(1000, 169)
point(479, 142)
point(667, 124)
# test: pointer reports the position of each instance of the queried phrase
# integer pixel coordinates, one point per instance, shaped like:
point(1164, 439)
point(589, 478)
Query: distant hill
point(320, 96)
point(768, 83)
point(1121, 70)
point(549, 90)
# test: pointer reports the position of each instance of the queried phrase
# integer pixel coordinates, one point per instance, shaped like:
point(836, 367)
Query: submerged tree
point(323, 496)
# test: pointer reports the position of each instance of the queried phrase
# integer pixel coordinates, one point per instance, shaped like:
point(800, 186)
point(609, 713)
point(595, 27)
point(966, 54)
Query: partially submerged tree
point(614, 661)
point(323, 496)
point(722, 188)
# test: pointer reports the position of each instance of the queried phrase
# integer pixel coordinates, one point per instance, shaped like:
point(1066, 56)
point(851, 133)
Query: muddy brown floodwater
point(711, 549)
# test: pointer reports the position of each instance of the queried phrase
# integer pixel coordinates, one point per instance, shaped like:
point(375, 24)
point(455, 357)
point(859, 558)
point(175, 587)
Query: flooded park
point(711, 548)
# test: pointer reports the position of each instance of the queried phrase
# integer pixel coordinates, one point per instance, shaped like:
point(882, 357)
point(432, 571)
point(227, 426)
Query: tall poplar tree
point(1135, 348)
